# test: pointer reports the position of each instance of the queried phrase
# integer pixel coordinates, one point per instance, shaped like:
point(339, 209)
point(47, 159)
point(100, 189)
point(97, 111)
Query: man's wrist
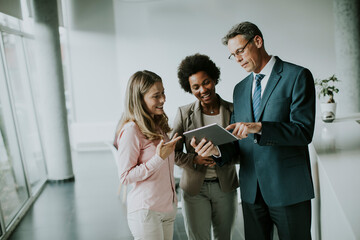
point(259, 128)
point(219, 155)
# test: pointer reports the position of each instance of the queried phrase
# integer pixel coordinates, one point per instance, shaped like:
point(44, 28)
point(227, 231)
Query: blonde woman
point(145, 159)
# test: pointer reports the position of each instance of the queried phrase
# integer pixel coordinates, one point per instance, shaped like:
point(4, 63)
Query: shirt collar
point(268, 67)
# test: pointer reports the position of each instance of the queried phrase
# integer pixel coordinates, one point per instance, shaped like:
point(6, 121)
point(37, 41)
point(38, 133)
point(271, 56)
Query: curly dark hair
point(193, 64)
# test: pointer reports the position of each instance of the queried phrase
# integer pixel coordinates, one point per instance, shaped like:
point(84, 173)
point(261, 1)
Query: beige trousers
point(146, 224)
point(211, 208)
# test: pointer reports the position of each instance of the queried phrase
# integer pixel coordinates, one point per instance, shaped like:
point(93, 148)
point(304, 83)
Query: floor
point(88, 208)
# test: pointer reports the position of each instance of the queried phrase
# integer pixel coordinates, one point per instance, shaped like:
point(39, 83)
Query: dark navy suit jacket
point(278, 159)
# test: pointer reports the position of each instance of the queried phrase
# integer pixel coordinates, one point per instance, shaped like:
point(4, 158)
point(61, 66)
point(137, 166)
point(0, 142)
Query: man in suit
point(274, 115)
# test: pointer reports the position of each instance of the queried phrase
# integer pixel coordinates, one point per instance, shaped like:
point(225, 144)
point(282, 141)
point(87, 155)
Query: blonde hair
point(139, 84)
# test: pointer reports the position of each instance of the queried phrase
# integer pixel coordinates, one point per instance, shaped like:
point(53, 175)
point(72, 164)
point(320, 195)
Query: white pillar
point(347, 50)
point(50, 82)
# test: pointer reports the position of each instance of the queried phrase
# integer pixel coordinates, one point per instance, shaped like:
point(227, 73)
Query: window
point(22, 163)
point(13, 189)
point(24, 110)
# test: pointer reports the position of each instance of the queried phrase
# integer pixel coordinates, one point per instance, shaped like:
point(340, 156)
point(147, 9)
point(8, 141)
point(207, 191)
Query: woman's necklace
point(212, 110)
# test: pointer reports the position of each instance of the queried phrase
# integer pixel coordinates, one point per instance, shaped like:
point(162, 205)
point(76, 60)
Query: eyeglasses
point(239, 51)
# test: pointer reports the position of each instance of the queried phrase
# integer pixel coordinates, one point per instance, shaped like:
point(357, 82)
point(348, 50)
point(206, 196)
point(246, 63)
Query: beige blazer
point(189, 117)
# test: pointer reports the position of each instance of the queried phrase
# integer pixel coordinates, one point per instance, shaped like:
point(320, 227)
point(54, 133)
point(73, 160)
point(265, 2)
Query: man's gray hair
point(247, 29)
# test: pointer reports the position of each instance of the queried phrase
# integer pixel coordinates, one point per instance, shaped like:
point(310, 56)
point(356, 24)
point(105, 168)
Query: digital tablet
point(213, 132)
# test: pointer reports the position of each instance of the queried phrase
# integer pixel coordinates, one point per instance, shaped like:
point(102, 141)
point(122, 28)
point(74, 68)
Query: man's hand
point(242, 129)
point(165, 149)
point(204, 148)
point(206, 161)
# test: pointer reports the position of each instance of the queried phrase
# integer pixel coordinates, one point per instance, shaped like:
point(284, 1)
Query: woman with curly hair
point(145, 158)
point(209, 194)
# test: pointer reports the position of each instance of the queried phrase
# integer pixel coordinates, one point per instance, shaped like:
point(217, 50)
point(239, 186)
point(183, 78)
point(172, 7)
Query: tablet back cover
point(213, 132)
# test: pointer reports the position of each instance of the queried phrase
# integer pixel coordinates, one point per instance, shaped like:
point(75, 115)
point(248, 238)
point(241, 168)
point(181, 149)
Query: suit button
point(255, 141)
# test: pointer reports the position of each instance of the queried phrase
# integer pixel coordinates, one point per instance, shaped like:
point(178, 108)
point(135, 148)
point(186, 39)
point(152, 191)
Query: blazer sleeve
point(298, 131)
point(229, 152)
point(184, 160)
point(129, 168)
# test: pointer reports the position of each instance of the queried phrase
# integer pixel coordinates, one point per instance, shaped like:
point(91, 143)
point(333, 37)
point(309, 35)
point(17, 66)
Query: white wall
point(110, 40)
point(93, 58)
point(93, 66)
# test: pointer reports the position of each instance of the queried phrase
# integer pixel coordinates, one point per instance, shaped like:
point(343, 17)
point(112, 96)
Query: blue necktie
point(257, 96)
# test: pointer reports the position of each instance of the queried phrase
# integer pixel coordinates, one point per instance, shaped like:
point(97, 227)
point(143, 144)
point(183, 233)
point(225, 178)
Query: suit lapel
point(225, 118)
point(248, 95)
point(274, 78)
point(196, 119)
point(225, 112)
point(195, 116)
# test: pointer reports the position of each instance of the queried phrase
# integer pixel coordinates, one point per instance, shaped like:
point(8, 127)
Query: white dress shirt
point(266, 71)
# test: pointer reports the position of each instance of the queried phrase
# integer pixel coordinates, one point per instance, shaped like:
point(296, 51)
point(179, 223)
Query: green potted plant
point(326, 89)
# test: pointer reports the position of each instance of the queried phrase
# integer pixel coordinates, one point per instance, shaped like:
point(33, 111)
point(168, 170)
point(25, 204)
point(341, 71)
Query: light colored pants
point(210, 207)
point(152, 225)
